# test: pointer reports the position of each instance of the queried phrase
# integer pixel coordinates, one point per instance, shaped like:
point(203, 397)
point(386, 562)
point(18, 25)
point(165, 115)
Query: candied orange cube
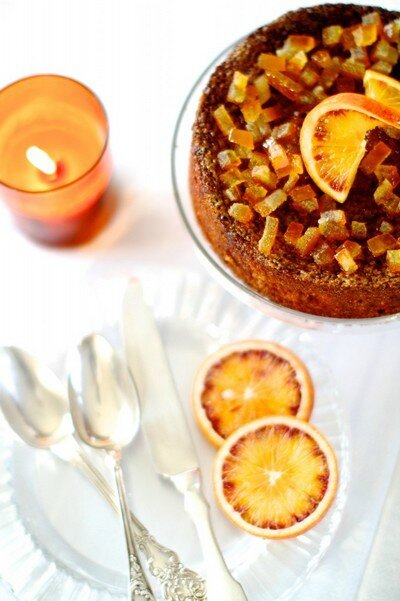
point(271, 113)
point(271, 62)
point(373, 18)
point(360, 55)
point(237, 89)
point(268, 238)
point(271, 203)
point(285, 130)
point(375, 157)
point(302, 193)
point(330, 74)
point(308, 241)
point(388, 172)
point(352, 69)
point(232, 177)
point(228, 159)
point(262, 86)
point(242, 152)
point(322, 58)
point(251, 110)
point(326, 203)
point(254, 193)
point(295, 43)
point(241, 137)
point(331, 35)
point(258, 158)
point(383, 190)
point(359, 230)
point(332, 225)
point(297, 62)
point(259, 128)
point(296, 163)
point(240, 212)
point(306, 205)
point(393, 261)
point(251, 93)
point(323, 254)
point(223, 119)
point(233, 193)
point(379, 244)
point(386, 227)
point(354, 248)
point(365, 35)
point(309, 76)
point(293, 232)
point(383, 51)
point(347, 40)
point(346, 261)
point(264, 175)
point(319, 93)
point(291, 182)
point(392, 31)
point(382, 67)
point(285, 85)
point(304, 199)
point(278, 157)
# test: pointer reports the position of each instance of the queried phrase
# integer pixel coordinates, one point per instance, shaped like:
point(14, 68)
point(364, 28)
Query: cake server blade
point(163, 419)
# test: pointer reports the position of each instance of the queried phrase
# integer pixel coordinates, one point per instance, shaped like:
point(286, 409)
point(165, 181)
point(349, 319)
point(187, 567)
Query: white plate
point(59, 540)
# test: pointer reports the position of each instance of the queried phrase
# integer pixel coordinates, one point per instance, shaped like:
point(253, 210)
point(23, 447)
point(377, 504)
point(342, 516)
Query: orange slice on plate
point(276, 477)
point(332, 139)
point(382, 88)
point(247, 380)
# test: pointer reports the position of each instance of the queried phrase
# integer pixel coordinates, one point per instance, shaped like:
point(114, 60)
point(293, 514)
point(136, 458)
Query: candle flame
point(41, 160)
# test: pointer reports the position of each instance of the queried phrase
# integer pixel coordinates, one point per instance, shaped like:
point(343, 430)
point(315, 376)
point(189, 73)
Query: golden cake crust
point(283, 277)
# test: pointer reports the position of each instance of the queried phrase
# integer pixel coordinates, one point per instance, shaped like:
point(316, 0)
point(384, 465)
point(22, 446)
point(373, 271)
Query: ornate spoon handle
point(177, 582)
point(139, 588)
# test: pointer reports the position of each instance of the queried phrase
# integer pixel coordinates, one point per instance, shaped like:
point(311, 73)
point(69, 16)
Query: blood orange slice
point(244, 381)
point(276, 477)
point(332, 139)
point(382, 88)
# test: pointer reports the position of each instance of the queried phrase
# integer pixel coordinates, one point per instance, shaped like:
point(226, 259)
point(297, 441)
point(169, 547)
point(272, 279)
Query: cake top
point(310, 146)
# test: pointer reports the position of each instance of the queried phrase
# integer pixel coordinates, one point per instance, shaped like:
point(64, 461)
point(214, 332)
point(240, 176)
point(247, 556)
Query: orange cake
point(295, 161)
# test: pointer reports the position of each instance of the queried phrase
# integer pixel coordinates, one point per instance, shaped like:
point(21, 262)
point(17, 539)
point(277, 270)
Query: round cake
point(291, 237)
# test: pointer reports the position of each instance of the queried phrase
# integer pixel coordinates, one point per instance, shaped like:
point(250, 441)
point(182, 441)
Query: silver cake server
point(168, 436)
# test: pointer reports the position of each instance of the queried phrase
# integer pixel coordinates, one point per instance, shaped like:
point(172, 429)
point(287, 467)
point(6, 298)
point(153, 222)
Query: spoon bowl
point(103, 398)
point(33, 399)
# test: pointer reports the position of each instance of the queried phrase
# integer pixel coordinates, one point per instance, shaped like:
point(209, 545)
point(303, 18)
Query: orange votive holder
point(55, 163)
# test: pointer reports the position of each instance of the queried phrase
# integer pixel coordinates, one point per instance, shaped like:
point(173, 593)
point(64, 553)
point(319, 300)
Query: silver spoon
point(105, 412)
point(35, 405)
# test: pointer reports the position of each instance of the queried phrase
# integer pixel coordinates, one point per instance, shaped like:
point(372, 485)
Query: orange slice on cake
point(276, 477)
point(382, 88)
point(245, 381)
point(332, 139)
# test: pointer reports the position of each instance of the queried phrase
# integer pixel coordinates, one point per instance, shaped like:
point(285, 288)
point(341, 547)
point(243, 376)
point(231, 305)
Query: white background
point(141, 57)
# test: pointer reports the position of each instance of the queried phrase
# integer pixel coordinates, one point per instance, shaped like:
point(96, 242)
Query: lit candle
point(54, 158)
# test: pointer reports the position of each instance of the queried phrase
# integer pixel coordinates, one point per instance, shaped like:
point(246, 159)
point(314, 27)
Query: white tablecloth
point(141, 57)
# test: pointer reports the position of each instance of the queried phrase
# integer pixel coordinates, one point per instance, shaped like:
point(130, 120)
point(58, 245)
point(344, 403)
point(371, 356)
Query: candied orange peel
point(297, 129)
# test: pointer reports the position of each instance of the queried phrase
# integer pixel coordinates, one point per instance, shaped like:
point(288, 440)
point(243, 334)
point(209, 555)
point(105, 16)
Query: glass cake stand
point(217, 268)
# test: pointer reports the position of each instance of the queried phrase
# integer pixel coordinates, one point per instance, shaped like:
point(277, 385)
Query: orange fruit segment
point(383, 88)
point(276, 477)
point(245, 381)
point(332, 139)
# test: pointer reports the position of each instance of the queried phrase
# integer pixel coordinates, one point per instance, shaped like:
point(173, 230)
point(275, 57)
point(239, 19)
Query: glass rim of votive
point(101, 154)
